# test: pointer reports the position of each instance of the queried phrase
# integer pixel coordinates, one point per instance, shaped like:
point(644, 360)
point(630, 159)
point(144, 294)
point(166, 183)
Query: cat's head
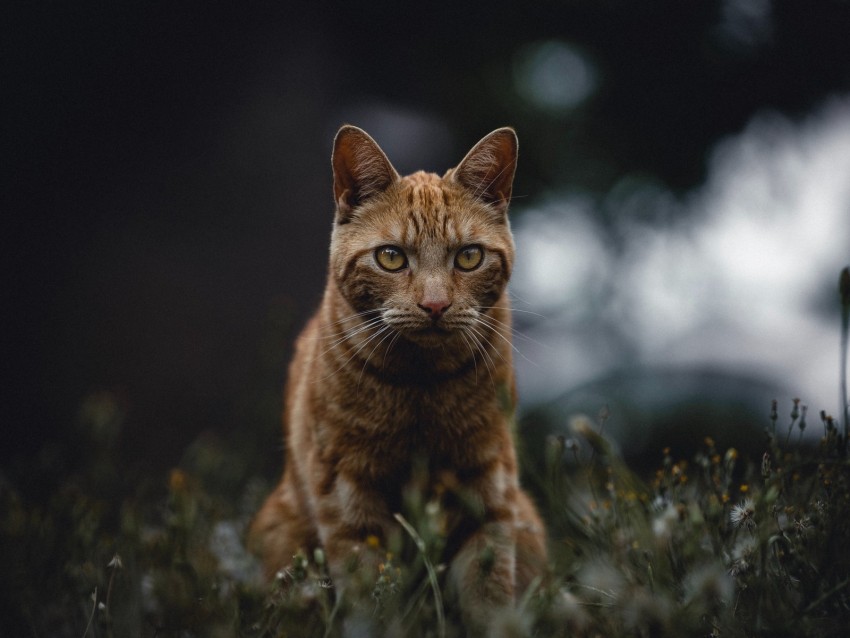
point(430, 255)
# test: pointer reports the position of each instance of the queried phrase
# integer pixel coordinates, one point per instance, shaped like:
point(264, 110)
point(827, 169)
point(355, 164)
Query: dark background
point(167, 197)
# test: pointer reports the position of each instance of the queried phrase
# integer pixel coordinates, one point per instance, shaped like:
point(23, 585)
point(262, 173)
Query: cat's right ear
point(361, 170)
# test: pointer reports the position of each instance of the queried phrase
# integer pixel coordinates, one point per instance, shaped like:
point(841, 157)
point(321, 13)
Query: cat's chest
point(445, 427)
point(424, 408)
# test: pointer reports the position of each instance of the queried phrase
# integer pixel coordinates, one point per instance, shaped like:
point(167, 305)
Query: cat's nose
point(435, 308)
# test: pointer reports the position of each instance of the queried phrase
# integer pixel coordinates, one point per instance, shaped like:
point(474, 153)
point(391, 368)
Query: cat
point(406, 361)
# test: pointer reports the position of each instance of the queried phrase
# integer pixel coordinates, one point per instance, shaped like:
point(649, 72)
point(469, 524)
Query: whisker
point(485, 356)
point(528, 312)
point(495, 329)
point(390, 347)
point(355, 330)
point(335, 323)
point(471, 351)
point(362, 313)
point(514, 331)
point(349, 334)
point(371, 352)
point(487, 341)
point(514, 296)
point(357, 351)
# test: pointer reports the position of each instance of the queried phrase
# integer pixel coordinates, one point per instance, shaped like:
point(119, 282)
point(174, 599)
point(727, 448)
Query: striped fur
point(379, 384)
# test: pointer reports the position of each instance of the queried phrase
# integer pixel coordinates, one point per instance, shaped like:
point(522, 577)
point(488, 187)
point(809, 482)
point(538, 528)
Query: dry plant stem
point(529, 593)
point(826, 596)
point(93, 609)
point(432, 574)
point(332, 617)
point(844, 290)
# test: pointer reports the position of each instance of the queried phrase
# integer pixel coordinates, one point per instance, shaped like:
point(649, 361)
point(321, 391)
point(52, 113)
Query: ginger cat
point(408, 360)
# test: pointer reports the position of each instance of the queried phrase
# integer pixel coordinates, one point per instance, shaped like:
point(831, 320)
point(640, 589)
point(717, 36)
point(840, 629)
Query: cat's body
point(407, 363)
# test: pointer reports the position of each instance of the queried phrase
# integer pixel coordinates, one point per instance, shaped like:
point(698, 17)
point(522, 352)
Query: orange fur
point(410, 366)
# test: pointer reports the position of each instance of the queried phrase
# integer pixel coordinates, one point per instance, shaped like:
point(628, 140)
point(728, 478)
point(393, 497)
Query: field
point(713, 545)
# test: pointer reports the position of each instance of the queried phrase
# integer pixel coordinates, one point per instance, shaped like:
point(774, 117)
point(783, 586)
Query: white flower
point(743, 515)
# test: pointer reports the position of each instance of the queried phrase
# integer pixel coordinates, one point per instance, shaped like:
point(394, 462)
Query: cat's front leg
point(281, 529)
point(353, 525)
point(482, 575)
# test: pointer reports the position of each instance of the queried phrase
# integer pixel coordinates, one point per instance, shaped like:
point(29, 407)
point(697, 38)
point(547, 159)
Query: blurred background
point(682, 205)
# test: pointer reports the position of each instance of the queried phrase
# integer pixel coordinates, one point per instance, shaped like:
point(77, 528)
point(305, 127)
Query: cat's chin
point(430, 337)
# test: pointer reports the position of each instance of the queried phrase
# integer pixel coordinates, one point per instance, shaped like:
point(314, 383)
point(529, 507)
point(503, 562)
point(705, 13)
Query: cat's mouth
point(433, 329)
point(432, 334)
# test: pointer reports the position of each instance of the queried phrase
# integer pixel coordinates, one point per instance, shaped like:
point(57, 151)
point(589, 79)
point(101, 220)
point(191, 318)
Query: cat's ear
point(488, 169)
point(361, 170)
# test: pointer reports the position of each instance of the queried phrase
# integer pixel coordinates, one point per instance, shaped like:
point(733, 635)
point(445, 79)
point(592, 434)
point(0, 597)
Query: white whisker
point(483, 335)
point(462, 335)
point(485, 356)
point(528, 312)
point(516, 333)
point(349, 334)
point(495, 329)
point(390, 347)
point(390, 333)
point(371, 338)
point(349, 318)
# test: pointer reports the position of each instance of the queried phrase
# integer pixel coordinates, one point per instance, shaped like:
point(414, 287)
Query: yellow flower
point(177, 480)
point(373, 541)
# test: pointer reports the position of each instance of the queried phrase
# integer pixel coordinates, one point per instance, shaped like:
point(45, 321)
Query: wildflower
point(115, 562)
point(802, 525)
point(177, 480)
point(373, 541)
point(739, 566)
point(583, 427)
point(708, 585)
point(664, 524)
point(743, 515)
point(742, 557)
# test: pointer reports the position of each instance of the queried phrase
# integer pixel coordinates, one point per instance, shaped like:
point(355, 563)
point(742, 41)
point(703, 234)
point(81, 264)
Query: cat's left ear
point(488, 169)
point(361, 170)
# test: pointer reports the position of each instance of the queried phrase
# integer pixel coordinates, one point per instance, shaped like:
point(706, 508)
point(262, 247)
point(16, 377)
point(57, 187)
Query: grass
point(713, 545)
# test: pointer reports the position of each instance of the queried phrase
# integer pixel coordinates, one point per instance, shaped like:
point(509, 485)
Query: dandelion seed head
point(743, 515)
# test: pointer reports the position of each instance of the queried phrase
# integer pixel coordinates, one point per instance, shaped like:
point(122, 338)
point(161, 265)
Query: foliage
point(716, 545)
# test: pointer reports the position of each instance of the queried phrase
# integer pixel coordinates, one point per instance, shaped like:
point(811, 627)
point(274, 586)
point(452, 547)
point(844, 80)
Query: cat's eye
point(469, 257)
point(390, 258)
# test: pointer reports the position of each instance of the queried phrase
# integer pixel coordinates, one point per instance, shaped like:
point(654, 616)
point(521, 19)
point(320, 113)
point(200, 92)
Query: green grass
point(713, 545)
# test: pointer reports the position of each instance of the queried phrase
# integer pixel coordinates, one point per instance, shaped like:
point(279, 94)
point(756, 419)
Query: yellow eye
point(469, 257)
point(391, 258)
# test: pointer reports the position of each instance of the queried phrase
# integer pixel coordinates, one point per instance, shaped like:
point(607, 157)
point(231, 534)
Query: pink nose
point(435, 308)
